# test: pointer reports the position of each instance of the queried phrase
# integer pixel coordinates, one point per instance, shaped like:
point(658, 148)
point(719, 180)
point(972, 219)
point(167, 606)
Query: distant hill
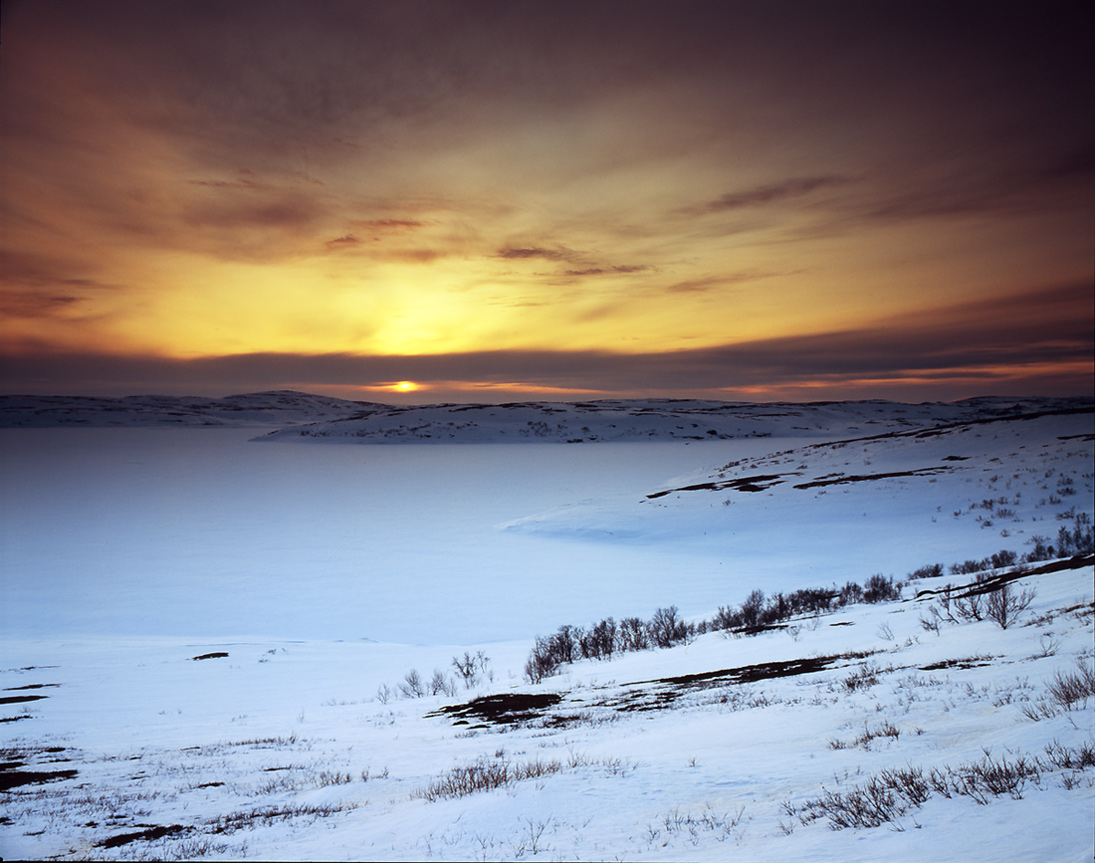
point(650, 420)
point(276, 408)
point(296, 416)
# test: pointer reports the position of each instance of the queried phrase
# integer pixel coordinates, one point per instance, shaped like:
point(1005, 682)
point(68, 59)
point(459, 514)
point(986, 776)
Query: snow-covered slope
point(649, 419)
point(276, 408)
point(1009, 478)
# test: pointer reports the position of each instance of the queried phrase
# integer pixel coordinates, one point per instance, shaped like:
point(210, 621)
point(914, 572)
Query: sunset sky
point(551, 200)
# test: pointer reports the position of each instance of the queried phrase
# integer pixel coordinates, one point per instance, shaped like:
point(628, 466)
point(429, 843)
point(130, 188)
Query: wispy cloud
point(759, 196)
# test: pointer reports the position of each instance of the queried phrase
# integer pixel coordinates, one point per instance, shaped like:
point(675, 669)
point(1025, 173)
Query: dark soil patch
point(15, 778)
point(149, 834)
point(507, 709)
point(968, 662)
point(660, 694)
point(646, 695)
point(868, 477)
point(745, 483)
point(217, 655)
point(748, 673)
point(21, 699)
point(29, 686)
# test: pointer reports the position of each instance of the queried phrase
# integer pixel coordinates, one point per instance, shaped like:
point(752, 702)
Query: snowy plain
point(326, 573)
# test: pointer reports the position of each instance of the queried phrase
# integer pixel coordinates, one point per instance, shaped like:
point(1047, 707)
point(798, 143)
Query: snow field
point(125, 562)
point(313, 766)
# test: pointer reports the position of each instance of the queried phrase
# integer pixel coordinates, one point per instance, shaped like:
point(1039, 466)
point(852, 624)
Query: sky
point(481, 201)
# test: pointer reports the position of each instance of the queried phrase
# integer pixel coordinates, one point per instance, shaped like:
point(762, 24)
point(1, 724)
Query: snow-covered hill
point(648, 420)
point(309, 417)
point(276, 408)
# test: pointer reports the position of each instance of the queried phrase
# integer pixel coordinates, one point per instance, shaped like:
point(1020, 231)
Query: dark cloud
point(622, 269)
point(708, 283)
point(28, 304)
point(510, 253)
point(345, 242)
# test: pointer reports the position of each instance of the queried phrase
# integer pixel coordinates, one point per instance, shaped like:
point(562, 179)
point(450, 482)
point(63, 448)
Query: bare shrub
point(989, 777)
point(472, 669)
point(1036, 711)
point(932, 570)
point(599, 641)
point(909, 782)
point(1004, 605)
point(666, 628)
point(632, 635)
point(412, 686)
point(441, 685)
point(1080, 540)
point(710, 820)
point(881, 589)
point(1068, 688)
point(863, 677)
point(1042, 550)
point(869, 805)
point(1071, 759)
point(484, 775)
point(971, 607)
point(751, 609)
point(886, 729)
point(889, 795)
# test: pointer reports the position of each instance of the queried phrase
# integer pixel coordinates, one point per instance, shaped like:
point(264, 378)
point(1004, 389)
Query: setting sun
point(405, 387)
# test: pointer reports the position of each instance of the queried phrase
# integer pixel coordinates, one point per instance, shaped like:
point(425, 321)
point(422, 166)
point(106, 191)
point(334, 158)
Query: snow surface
point(128, 552)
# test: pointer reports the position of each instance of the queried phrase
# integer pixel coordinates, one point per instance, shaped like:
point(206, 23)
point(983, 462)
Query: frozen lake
point(203, 533)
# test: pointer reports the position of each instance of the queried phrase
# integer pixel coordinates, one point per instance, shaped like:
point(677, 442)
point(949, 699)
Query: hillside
point(616, 421)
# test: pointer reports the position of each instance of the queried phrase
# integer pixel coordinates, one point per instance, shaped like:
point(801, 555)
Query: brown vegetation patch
point(148, 835)
point(867, 477)
point(505, 709)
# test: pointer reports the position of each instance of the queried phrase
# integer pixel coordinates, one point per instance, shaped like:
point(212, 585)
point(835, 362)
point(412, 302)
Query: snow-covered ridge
point(275, 408)
point(627, 420)
point(316, 418)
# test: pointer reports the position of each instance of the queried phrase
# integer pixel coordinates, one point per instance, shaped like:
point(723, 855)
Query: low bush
point(1080, 540)
point(1068, 688)
point(933, 570)
point(881, 589)
point(484, 775)
point(885, 798)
